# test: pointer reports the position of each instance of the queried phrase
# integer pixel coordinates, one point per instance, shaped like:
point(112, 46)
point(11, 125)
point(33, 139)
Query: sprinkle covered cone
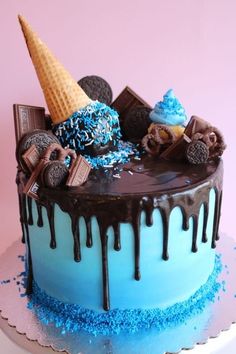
point(62, 93)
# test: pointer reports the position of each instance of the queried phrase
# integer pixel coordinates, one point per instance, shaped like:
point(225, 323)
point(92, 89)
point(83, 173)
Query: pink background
point(151, 45)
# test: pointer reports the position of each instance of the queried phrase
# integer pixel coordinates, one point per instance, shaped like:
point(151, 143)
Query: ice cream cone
point(62, 93)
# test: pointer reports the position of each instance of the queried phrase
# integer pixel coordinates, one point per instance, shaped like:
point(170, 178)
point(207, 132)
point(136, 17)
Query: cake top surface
point(142, 177)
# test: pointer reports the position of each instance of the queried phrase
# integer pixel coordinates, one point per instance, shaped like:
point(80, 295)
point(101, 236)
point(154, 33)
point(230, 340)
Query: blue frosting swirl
point(169, 111)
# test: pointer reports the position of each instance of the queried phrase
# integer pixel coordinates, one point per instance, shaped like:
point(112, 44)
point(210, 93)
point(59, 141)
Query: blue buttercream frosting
point(73, 318)
point(169, 111)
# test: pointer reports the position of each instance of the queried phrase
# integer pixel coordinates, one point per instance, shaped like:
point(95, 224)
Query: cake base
point(197, 330)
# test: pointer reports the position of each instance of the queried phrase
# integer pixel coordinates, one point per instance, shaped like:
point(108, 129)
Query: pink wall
point(151, 45)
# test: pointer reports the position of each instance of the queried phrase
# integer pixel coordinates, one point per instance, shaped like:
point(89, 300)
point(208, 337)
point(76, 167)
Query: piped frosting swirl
point(169, 111)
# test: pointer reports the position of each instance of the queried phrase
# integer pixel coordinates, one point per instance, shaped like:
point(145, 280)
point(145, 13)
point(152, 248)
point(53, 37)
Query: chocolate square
point(79, 172)
point(31, 157)
point(176, 150)
point(27, 119)
point(127, 100)
point(32, 186)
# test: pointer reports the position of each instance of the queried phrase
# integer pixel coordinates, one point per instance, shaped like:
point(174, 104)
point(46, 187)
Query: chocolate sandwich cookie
point(96, 88)
point(136, 123)
point(40, 138)
point(197, 152)
point(54, 174)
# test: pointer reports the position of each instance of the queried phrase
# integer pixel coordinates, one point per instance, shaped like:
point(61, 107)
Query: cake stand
point(21, 325)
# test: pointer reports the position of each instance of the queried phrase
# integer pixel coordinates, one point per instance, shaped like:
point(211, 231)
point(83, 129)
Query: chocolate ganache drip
point(152, 184)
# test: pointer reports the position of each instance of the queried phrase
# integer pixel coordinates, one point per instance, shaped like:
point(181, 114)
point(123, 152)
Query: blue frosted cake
point(120, 236)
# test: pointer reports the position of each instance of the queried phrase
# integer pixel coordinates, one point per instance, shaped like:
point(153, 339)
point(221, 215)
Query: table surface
point(225, 343)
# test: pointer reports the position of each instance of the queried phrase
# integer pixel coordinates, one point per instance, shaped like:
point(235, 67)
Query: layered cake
point(119, 205)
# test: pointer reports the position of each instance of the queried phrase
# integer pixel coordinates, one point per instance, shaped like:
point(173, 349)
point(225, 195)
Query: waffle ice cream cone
point(62, 93)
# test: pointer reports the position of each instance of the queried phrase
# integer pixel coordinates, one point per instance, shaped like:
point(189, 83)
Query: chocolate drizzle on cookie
point(153, 185)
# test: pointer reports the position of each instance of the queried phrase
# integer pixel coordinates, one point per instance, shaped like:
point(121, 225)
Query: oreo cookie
point(54, 174)
point(136, 123)
point(40, 138)
point(197, 152)
point(97, 88)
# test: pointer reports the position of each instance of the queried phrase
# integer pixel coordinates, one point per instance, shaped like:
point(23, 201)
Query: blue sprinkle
point(71, 318)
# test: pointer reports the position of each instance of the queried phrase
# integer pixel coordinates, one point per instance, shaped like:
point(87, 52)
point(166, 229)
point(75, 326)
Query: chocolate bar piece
point(31, 157)
point(196, 125)
point(32, 186)
point(126, 101)
point(79, 172)
point(177, 149)
point(27, 119)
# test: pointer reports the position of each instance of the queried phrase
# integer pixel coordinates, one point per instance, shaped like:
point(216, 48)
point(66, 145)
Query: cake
point(120, 235)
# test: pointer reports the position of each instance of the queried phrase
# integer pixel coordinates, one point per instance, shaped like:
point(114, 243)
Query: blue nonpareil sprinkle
point(73, 318)
point(94, 124)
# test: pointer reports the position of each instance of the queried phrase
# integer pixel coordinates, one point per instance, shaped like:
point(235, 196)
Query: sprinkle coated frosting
point(169, 111)
point(95, 124)
point(73, 318)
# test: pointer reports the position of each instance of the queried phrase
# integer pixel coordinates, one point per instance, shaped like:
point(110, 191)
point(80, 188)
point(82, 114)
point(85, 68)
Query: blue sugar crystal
point(73, 318)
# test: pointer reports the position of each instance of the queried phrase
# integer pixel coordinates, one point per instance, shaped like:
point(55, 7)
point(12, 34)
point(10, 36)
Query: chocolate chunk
point(27, 119)
point(176, 150)
point(136, 123)
point(126, 101)
point(196, 125)
point(32, 186)
point(54, 174)
point(40, 138)
point(31, 157)
point(197, 152)
point(96, 88)
point(79, 172)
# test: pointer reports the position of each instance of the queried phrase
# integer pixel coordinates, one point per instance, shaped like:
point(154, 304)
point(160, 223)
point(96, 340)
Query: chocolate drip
point(50, 213)
point(136, 229)
point(89, 238)
point(205, 220)
point(40, 216)
point(165, 220)
point(30, 214)
point(195, 230)
point(219, 214)
point(185, 220)
point(105, 275)
point(76, 237)
point(29, 284)
point(22, 219)
point(148, 208)
point(116, 228)
point(216, 219)
point(155, 184)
